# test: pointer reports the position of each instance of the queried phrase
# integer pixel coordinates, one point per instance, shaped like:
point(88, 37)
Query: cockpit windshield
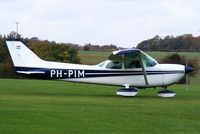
point(148, 61)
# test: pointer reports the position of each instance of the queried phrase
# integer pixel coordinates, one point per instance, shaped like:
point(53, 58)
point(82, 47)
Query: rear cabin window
point(114, 65)
point(102, 64)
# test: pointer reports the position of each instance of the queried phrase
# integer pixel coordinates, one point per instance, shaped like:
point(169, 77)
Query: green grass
point(55, 107)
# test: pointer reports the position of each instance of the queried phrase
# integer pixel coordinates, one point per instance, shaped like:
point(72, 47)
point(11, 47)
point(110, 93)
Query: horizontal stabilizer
point(30, 72)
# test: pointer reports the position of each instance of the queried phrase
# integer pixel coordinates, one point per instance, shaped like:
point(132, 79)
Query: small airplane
point(127, 68)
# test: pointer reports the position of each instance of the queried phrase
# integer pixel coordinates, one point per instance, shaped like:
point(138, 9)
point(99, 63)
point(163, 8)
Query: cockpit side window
point(114, 65)
point(132, 61)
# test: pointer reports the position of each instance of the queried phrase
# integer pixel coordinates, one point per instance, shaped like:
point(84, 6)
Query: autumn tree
point(55, 52)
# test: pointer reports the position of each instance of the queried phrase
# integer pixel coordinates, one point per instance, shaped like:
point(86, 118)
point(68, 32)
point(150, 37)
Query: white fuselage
point(158, 75)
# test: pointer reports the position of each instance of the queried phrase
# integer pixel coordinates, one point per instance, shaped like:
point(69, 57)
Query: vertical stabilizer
point(22, 56)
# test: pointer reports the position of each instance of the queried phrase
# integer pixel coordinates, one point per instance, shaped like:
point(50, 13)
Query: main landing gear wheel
point(127, 92)
point(166, 93)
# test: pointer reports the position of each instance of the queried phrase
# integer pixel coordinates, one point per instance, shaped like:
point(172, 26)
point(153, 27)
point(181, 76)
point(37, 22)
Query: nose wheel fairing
point(166, 93)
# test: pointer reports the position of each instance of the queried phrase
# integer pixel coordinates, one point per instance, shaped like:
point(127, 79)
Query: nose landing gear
point(166, 93)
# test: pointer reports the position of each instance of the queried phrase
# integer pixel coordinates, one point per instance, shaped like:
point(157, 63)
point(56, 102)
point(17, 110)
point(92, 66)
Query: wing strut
point(143, 70)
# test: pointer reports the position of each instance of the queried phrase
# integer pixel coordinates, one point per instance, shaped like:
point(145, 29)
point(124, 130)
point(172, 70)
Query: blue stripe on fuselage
point(55, 73)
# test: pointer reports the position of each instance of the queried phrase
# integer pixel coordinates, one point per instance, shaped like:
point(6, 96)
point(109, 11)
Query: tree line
point(90, 47)
point(183, 43)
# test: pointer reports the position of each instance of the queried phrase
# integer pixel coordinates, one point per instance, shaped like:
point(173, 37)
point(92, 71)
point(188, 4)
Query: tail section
point(22, 56)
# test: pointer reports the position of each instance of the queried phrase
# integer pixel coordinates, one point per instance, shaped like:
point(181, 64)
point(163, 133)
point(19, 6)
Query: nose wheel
point(166, 93)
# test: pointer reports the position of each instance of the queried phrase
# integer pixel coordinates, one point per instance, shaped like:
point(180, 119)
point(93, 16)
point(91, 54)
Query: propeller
point(186, 75)
point(187, 70)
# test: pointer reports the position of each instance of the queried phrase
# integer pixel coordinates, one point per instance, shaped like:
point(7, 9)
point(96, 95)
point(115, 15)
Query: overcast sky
point(120, 22)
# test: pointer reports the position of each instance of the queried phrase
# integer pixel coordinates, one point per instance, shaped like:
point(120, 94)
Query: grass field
point(55, 107)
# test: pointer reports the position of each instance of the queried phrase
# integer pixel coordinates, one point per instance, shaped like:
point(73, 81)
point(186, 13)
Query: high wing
point(125, 55)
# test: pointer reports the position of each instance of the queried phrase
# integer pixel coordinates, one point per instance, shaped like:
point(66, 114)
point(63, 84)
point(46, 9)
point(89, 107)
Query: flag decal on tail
point(18, 47)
